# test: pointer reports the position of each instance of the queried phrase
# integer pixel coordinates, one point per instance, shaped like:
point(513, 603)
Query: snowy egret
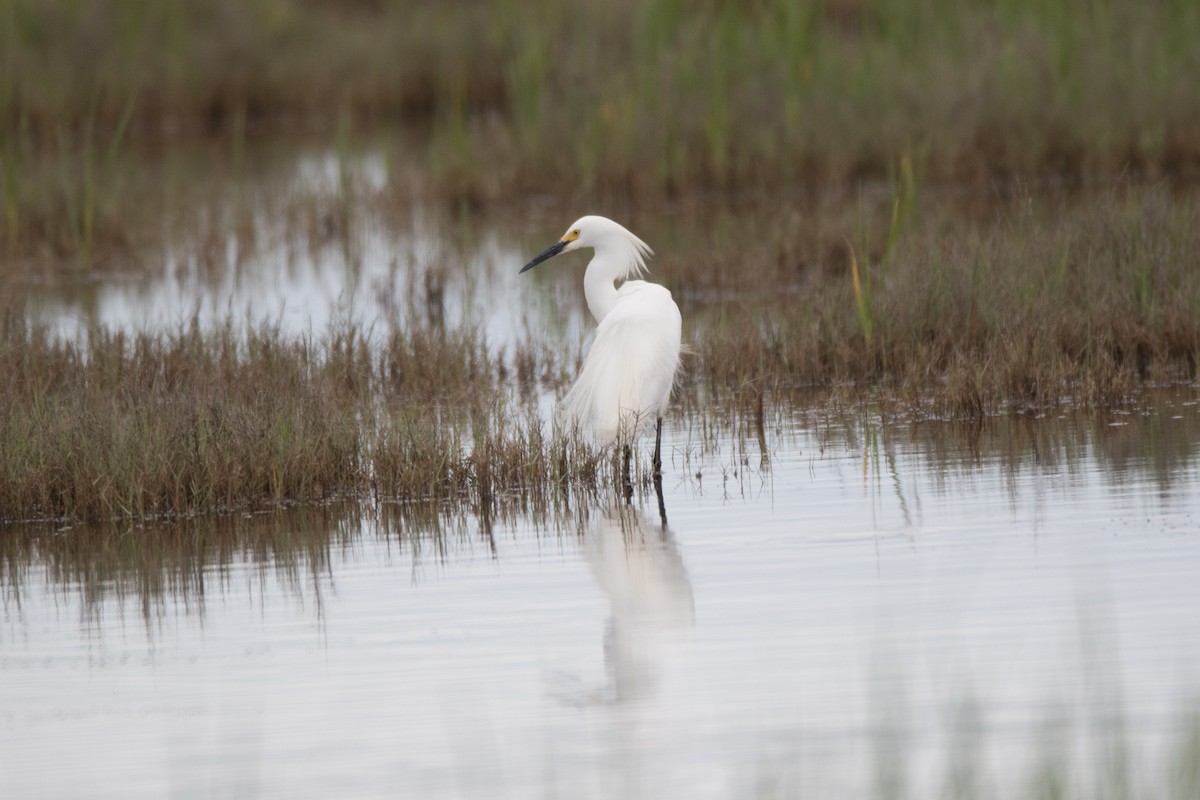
point(629, 371)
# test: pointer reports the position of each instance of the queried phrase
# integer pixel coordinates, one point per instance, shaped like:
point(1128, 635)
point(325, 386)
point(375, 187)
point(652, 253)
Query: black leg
point(658, 449)
point(626, 481)
point(662, 507)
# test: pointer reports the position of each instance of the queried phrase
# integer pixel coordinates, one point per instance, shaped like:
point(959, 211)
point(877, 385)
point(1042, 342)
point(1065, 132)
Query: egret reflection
point(636, 564)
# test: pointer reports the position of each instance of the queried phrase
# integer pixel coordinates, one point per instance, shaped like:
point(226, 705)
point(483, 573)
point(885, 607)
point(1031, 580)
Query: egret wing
point(629, 371)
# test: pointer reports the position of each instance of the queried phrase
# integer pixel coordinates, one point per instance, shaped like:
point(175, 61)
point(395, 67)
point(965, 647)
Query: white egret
point(629, 371)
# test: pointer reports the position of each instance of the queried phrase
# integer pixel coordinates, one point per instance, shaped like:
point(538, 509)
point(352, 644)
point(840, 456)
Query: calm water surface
point(873, 606)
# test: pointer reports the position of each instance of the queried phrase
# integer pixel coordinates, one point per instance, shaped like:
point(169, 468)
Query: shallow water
point(310, 241)
point(870, 606)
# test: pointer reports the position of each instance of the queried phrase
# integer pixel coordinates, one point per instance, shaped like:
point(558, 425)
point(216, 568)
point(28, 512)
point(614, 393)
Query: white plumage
point(629, 371)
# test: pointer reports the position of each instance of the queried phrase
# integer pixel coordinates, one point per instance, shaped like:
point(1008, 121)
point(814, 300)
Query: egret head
point(603, 235)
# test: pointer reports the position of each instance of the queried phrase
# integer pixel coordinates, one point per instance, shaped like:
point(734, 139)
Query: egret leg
point(662, 507)
point(658, 449)
point(626, 481)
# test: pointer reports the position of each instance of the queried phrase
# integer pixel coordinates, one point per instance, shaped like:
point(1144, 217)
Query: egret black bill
point(549, 252)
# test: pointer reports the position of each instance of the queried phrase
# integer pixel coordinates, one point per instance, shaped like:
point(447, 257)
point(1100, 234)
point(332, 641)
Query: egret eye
point(575, 233)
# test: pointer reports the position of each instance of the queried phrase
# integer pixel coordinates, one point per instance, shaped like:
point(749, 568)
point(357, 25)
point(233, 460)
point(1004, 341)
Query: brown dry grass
point(144, 425)
point(1023, 302)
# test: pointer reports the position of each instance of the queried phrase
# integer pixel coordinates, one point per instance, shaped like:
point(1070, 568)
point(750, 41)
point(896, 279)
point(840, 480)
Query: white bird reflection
point(637, 566)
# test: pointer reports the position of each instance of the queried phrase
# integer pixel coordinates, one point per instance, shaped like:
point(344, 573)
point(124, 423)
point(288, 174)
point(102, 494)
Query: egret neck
point(615, 259)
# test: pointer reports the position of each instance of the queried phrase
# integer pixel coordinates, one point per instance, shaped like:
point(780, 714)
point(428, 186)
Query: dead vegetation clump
point(1041, 301)
point(142, 425)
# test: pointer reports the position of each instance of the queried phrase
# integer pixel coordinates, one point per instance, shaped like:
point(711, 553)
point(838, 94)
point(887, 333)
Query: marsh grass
point(143, 425)
point(1024, 303)
point(116, 425)
point(138, 426)
point(655, 97)
point(85, 186)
